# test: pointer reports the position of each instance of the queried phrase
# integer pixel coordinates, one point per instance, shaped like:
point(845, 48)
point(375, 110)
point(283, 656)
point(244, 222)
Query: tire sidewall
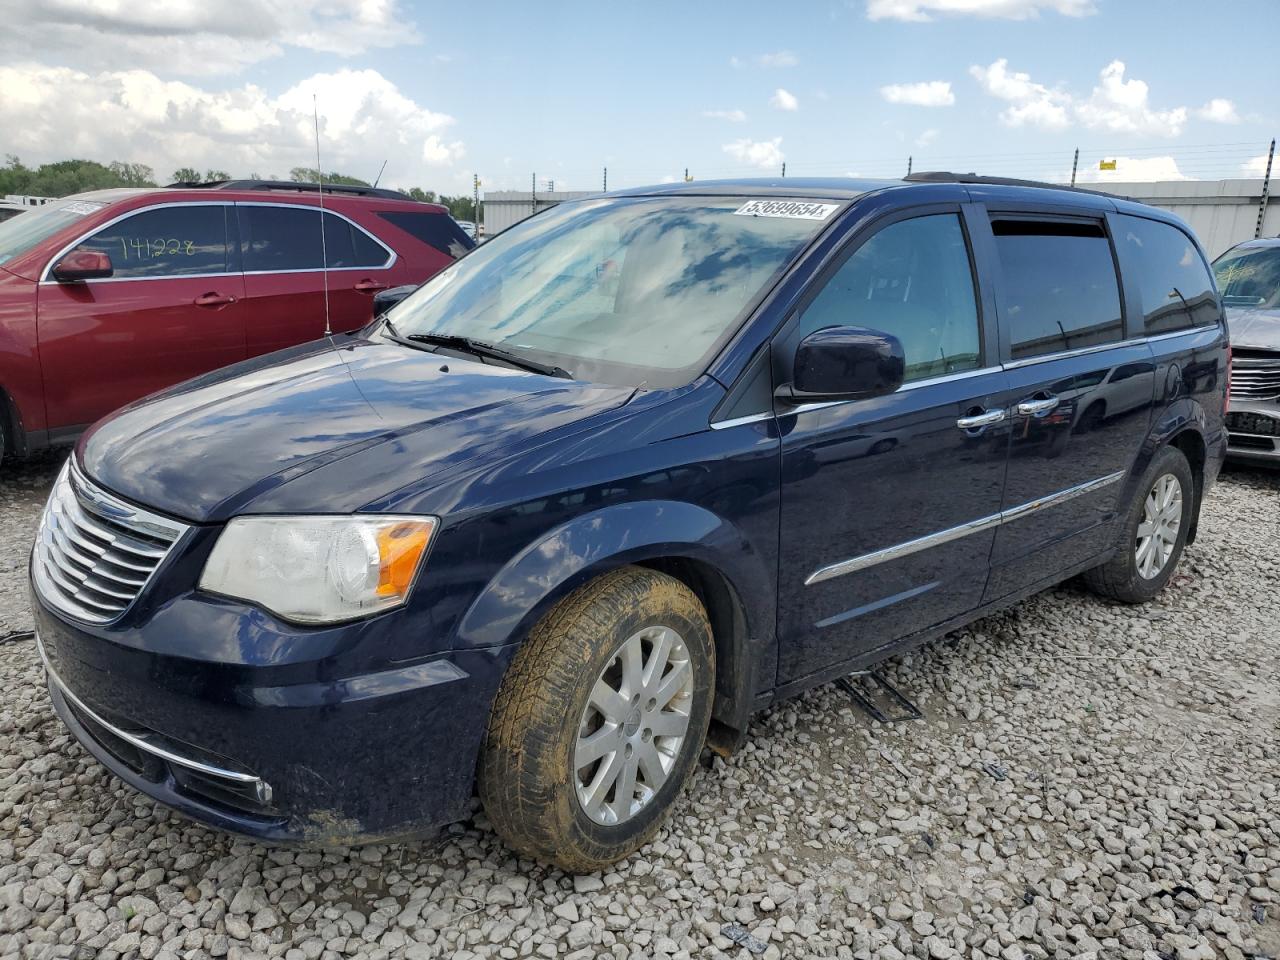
point(601, 841)
point(1167, 461)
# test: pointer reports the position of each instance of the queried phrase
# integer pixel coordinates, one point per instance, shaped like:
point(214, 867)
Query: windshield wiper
point(481, 349)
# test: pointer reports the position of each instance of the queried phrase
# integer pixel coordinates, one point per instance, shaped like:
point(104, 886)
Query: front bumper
point(328, 761)
point(1253, 428)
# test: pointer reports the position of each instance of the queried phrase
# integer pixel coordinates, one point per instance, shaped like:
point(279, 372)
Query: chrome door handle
point(980, 420)
point(1036, 408)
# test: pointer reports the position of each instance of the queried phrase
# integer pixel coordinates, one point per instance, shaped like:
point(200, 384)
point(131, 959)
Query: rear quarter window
point(1060, 289)
point(1176, 289)
point(434, 229)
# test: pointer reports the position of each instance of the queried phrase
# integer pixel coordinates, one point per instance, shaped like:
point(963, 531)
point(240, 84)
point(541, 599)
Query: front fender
point(553, 566)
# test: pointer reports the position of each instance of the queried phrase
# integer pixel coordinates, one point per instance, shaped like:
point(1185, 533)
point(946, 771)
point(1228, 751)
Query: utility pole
point(784, 168)
point(909, 159)
point(686, 175)
point(1075, 163)
point(475, 207)
point(1266, 191)
point(605, 186)
point(533, 194)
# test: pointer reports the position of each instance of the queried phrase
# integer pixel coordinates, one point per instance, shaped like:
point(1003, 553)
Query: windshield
point(1249, 277)
point(627, 291)
point(20, 234)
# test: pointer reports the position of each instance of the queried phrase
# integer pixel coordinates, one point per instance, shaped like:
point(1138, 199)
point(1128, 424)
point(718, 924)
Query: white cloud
point(1029, 102)
point(733, 116)
point(927, 137)
point(924, 10)
point(1256, 166)
point(193, 37)
point(784, 100)
point(1219, 110)
point(54, 112)
point(1133, 169)
point(927, 93)
point(1122, 106)
point(765, 154)
point(780, 58)
point(1115, 104)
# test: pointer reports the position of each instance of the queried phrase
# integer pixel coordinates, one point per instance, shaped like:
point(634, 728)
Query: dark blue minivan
point(629, 472)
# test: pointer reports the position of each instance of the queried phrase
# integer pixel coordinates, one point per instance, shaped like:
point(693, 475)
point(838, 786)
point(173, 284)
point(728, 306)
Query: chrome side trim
point(263, 788)
point(900, 550)
point(1062, 496)
point(1081, 352)
point(912, 385)
point(741, 421)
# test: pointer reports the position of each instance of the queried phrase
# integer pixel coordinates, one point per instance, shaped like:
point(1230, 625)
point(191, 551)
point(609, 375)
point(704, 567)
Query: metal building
point(1221, 212)
point(502, 208)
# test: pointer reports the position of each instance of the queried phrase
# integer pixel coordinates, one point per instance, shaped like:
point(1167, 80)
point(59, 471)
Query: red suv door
point(284, 278)
point(172, 309)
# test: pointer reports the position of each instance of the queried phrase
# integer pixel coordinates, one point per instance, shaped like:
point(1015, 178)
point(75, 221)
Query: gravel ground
point(1088, 780)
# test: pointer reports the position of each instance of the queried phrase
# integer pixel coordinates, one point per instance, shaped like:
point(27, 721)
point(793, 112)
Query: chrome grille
point(94, 553)
point(1255, 375)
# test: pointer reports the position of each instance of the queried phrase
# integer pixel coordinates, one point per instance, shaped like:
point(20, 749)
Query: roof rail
point(946, 176)
point(295, 186)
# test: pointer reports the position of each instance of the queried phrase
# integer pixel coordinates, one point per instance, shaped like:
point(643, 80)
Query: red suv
point(111, 295)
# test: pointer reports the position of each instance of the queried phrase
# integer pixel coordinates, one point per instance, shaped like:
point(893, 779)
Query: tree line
point(65, 177)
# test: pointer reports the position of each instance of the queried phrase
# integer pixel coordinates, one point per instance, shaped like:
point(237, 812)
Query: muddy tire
point(1152, 533)
point(578, 775)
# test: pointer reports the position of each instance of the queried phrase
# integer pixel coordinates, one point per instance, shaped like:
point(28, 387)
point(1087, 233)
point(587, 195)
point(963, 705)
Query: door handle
point(1037, 408)
point(212, 300)
point(977, 421)
point(369, 286)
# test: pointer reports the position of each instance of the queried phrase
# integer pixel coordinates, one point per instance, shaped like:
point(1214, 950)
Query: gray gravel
point(1089, 780)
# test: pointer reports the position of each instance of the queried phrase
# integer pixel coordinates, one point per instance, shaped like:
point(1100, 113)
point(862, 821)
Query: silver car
point(1249, 281)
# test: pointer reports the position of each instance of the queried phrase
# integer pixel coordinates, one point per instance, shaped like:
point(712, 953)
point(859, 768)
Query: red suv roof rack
point(349, 189)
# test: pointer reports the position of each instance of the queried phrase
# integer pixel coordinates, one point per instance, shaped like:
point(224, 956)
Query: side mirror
point(384, 300)
point(82, 264)
point(845, 363)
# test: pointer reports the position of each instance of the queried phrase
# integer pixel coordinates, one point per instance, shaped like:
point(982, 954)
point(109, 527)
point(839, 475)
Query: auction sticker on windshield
point(791, 209)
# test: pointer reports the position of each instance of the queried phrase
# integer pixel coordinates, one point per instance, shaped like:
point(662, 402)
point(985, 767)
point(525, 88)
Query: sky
point(562, 90)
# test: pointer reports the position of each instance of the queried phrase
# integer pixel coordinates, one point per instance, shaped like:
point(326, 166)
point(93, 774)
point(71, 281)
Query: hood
point(227, 442)
point(1254, 328)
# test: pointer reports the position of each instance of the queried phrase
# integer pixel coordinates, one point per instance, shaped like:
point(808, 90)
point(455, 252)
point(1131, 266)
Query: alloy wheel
point(634, 725)
point(1158, 529)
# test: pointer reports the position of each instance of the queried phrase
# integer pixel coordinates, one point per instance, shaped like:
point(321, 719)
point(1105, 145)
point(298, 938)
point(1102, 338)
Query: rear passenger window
point(1177, 292)
point(912, 280)
point(434, 229)
point(167, 242)
point(276, 239)
point(1060, 289)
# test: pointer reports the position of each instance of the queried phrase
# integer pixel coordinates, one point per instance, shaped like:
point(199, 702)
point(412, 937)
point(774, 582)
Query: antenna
point(324, 253)
point(381, 170)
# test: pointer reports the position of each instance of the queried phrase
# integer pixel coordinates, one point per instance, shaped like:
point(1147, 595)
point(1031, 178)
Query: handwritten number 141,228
point(143, 249)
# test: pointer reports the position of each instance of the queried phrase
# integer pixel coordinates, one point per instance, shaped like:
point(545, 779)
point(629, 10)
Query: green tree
point(133, 174)
point(424, 196)
point(192, 175)
point(312, 175)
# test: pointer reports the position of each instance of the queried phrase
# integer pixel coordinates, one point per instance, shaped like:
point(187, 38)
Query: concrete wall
point(1221, 212)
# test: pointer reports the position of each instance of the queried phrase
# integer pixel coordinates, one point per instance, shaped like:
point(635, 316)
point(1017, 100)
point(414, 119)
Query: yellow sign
point(1106, 164)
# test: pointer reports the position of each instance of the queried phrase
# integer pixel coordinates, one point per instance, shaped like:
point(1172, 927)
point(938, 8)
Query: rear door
point(285, 281)
point(1079, 395)
point(889, 505)
point(173, 309)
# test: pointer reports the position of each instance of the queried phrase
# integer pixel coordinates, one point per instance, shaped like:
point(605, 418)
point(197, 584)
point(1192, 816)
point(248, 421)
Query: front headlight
point(319, 569)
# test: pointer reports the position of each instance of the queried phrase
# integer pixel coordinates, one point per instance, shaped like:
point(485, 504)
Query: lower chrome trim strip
point(264, 789)
point(900, 550)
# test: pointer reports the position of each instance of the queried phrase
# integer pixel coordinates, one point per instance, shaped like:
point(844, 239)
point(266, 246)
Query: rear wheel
point(599, 722)
point(1153, 534)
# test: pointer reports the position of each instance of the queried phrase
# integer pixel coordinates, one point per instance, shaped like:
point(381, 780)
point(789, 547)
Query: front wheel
point(1153, 532)
point(599, 721)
